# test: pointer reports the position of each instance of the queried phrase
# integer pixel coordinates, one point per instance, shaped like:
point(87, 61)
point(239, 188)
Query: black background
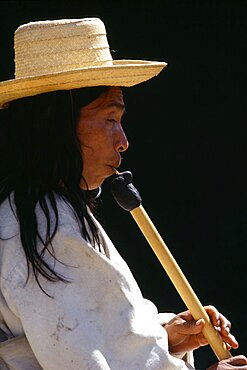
point(187, 134)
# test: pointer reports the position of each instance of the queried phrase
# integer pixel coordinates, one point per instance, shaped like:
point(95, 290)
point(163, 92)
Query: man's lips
point(117, 163)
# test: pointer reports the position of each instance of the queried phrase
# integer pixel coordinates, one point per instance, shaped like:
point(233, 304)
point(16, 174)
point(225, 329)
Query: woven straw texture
point(68, 54)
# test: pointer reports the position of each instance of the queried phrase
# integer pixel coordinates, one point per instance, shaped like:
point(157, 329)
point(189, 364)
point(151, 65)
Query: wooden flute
point(127, 196)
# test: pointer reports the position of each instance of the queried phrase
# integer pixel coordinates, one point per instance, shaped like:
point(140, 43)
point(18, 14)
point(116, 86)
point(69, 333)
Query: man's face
point(101, 137)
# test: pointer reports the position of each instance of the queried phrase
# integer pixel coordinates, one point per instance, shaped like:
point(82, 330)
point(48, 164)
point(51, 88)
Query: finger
point(218, 319)
point(239, 360)
point(231, 341)
point(192, 327)
point(186, 315)
point(201, 340)
point(213, 314)
point(224, 323)
point(228, 337)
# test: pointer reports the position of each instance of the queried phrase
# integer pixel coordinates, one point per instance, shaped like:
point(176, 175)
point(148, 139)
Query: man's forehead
point(111, 98)
point(114, 92)
point(114, 97)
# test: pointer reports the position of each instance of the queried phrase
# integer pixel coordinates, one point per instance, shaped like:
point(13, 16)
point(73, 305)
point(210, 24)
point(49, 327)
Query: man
point(67, 298)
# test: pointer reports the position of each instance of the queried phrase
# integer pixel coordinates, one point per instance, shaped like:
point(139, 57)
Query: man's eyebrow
point(119, 106)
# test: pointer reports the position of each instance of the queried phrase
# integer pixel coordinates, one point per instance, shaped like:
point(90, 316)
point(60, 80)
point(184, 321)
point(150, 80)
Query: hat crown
point(68, 54)
point(48, 47)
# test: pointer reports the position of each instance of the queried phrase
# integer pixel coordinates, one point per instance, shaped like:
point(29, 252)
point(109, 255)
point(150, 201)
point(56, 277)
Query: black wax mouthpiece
point(124, 192)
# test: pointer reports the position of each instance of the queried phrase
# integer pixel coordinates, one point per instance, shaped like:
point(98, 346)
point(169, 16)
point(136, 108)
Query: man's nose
point(122, 143)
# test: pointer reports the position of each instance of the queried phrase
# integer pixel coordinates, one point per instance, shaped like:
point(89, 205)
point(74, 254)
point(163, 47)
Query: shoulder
point(9, 223)
point(57, 214)
point(9, 226)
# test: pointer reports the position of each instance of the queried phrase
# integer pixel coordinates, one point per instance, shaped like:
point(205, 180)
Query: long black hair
point(40, 158)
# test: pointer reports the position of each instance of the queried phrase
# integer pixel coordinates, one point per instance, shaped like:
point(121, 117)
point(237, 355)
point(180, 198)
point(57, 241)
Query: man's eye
point(111, 120)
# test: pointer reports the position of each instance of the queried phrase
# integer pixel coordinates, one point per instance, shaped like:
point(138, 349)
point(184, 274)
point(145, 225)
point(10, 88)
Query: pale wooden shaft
point(179, 280)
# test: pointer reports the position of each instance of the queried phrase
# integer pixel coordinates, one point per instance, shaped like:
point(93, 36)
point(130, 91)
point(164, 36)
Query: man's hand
point(233, 363)
point(185, 333)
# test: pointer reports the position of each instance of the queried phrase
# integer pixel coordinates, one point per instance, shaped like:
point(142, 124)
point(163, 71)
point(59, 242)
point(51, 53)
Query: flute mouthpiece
point(124, 192)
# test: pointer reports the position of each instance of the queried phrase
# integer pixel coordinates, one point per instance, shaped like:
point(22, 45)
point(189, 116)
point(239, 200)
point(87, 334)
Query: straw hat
point(68, 54)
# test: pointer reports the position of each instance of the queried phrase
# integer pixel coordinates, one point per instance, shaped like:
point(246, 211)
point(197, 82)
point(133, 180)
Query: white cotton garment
point(98, 319)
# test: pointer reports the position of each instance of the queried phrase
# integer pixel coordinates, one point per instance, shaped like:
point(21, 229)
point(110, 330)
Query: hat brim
point(121, 73)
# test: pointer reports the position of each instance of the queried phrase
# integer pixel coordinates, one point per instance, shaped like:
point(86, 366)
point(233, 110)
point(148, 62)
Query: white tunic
point(98, 320)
